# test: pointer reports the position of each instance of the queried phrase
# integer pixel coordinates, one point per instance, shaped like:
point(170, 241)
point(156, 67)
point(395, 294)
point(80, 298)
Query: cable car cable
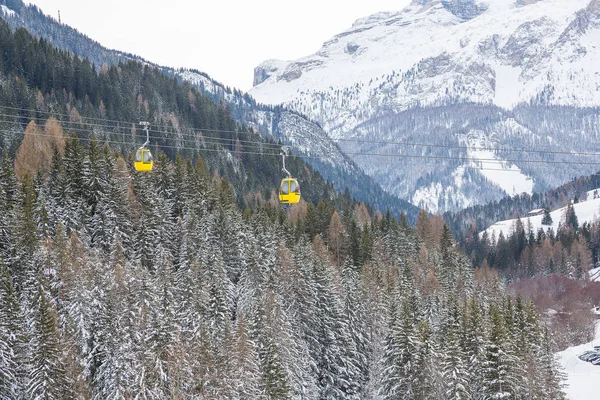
point(319, 156)
point(124, 124)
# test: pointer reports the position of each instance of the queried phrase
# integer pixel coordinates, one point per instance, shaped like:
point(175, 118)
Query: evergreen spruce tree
point(9, 191)
point(547, 218)
point(357, 342)
point(400, 355)
point(475, 335)
point(551, 384)
point(12, 340)
point(116, 377)
point(244, 365)
point(497, 378)
point(275, 381)
point(427, 379)
point(455, 372)
point(47, 379)
point(160, 338)
point(74, 181)
point(94, 175)
point(27, 257)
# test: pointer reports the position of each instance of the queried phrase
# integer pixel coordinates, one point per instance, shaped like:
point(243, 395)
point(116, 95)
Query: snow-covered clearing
point(504, 174)
point(507, 85)
point(583, 377)
point(587, 211)
point(7, 11)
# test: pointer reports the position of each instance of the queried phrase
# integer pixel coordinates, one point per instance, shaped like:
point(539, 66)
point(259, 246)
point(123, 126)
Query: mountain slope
point(437, 51)
point(586, 212)
point(276, 123)
point(376, 80)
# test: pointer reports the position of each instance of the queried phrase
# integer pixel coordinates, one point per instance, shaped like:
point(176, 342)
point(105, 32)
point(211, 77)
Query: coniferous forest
point(192, 282)
point(121, 285)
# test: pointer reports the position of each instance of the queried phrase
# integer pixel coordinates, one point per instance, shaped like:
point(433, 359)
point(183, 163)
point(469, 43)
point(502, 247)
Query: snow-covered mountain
point(375, 81)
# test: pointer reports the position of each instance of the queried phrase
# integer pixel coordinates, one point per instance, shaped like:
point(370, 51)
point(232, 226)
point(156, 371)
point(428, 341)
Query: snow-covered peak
point(441, 39)
point(375, 18)
point(266, 69)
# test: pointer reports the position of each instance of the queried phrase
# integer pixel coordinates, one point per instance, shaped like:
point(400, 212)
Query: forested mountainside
point(274, 123)
point(456, 85)
point(116, 284)
point(39, 81)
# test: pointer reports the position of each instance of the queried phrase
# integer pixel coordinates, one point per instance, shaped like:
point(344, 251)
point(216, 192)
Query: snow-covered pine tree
point(547, 218)
point(12, 340)
point(94, 178)
point(551, 385)
point(275, 381)
point(27, 238)
point(75, 190)
point(497, 380)
point(115, 377)
point(454, 365)
point(47, 378)
point(336, 369)
point(217, 285)
point(243, 365)
point(232, 237)
point(399, 359)
point(160, 335)
point(428, 380)
point(475, 344)
point(355, 319)
point(9, 191)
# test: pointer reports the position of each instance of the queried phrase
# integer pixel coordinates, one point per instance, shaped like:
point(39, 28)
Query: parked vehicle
point(587, 355)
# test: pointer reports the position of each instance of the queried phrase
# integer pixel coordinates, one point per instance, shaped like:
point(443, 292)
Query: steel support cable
point(403, 143)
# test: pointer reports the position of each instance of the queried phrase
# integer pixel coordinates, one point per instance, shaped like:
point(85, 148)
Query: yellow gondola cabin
point(143, 160)
point(143, 157)
point(289, 191)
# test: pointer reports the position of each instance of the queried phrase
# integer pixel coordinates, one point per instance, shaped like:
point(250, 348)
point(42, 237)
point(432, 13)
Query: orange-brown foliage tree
point(35, 152)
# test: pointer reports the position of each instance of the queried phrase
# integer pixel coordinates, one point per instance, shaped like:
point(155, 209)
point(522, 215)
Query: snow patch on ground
point(427, 197)
point(502, 173)
point(582, 376)
point(594, 274)
point(590, 194)
point(7, 11)
point(507, 86)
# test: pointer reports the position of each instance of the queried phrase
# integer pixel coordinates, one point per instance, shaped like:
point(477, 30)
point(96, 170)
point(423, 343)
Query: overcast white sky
point(224, 38)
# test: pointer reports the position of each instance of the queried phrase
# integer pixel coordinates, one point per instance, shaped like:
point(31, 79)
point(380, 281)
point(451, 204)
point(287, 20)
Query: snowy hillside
point(586, 211)
point(373, 81)
point(582, 377)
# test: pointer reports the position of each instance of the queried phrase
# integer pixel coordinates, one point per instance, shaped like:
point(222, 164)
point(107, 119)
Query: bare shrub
point(565, 304)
